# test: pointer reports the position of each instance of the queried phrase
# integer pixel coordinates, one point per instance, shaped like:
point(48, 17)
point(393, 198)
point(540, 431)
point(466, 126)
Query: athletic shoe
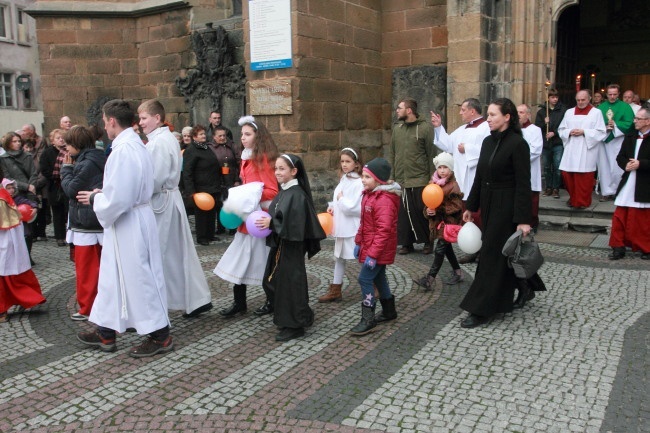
point(94, 339)
point(78, 317)
point(151, 347)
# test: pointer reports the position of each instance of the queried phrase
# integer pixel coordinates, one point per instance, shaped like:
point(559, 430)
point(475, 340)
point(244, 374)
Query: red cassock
point(22, 289)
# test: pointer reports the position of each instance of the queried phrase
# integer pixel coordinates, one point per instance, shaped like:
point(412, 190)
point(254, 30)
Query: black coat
point(19, 166)
point(502, 191)
point(201, 170)
point(642, 187)
point(47, 161)
point(555, 118)
point(86, 174)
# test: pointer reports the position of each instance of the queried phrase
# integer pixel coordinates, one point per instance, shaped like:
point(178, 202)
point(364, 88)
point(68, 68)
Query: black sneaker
point(151, 347)
point(95, 340)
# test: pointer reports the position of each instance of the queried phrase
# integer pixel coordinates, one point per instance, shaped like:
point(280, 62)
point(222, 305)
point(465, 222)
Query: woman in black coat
point(501, 190)
point(202, 173)
point(50, 166)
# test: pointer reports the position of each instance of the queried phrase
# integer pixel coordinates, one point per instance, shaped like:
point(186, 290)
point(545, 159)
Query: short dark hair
point(475, 104)
point(80, 138)
point(121, 111)
point(218, 128)
point(553, 92)
point(412, 104)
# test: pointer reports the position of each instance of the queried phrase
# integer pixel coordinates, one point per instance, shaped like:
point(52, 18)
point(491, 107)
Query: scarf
point(440, 181)
point(203, 145)
point(246, 154)
point(56, 173)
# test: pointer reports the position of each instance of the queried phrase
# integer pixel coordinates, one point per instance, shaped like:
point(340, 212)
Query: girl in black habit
point(295, 231)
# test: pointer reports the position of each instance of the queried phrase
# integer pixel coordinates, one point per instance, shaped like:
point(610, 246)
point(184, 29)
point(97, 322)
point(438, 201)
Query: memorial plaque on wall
point(270, 97)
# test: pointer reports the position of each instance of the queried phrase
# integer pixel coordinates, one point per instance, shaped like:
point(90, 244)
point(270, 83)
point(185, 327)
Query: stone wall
point(85, 59)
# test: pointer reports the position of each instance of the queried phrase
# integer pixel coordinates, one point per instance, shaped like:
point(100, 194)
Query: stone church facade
point(352, 61)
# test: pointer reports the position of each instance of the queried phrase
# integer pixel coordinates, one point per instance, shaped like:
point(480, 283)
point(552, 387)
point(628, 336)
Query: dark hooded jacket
point(86, 174)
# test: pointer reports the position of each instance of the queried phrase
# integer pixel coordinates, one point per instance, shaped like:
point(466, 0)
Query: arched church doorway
point(600, 42)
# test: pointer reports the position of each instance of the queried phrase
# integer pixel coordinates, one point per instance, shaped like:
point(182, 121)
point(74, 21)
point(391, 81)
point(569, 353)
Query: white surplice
point(14, 258)
point(609, 173)
point(581, 152)
point(131, 289)
point(533, 136)
point(464, 163)
point(187, 288)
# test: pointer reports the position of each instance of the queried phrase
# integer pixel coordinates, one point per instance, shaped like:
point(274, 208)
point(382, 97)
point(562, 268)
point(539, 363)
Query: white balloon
point(469, 238)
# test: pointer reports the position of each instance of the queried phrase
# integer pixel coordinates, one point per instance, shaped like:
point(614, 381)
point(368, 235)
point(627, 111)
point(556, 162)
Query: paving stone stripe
point(576, 359)
point(517, 365)
point(85, 407)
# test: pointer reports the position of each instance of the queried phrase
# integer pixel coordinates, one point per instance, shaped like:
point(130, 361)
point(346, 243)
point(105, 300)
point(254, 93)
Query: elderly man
point(628, 98)
point(630, 221)
point(582, 130)
point(410, 155)
point(533, 136)
point(618, 117)
point(65, 123)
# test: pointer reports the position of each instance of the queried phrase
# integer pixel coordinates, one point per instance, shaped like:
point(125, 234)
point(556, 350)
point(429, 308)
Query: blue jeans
point(551, 159)
point(377, 276)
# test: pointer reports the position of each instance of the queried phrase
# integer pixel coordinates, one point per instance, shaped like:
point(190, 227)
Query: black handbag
point(524, 255)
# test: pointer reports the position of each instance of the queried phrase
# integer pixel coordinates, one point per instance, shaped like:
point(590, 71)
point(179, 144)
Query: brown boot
point(333, 294)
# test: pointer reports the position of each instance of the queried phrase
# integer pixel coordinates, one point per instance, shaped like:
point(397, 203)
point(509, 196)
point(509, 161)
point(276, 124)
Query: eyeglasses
point(400, 108)
point(641, 118)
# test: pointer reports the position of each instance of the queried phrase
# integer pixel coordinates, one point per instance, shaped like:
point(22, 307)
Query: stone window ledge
point(106, 9)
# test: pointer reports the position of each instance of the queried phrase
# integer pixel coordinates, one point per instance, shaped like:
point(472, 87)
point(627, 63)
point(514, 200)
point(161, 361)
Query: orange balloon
point(203, 200)
point(432, 195)
point(326, 222)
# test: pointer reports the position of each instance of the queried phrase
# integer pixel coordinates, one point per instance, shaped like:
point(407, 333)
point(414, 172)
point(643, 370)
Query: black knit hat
point(379, 169)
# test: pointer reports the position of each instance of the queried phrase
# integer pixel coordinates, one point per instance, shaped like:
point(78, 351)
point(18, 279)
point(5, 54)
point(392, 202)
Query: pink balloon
point(252, 228)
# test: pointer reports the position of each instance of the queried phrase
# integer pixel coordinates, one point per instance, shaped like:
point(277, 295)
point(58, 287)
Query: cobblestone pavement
point(574, 360)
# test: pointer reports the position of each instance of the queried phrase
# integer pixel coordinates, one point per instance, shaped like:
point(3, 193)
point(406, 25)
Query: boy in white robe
point(187, 288)
point(131, 291)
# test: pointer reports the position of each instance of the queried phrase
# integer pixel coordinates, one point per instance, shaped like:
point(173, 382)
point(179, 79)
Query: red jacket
point(377, 234)
point(250, 172)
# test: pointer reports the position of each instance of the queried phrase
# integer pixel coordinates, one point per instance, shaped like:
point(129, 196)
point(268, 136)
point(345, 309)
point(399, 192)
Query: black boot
point(239, 306)
point(387, 310)
point(367, 322)
point(524, 294)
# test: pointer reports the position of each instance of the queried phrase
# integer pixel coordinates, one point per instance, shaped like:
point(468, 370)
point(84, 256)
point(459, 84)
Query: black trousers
point(412, 226)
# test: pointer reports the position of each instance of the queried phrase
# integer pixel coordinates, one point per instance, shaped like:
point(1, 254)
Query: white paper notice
point(270, 34)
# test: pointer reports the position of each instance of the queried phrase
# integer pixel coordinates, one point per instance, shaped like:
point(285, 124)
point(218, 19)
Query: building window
point(6, 90)
point(21, 19)
point(4, 22)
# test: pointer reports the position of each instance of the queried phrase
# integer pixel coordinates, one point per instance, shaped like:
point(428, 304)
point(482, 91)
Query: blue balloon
point(229, 220)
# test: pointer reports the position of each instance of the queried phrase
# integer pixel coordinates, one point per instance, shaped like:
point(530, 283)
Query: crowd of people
point(122, 209)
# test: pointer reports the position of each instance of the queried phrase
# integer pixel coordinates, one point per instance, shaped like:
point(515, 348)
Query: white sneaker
point(79, 317)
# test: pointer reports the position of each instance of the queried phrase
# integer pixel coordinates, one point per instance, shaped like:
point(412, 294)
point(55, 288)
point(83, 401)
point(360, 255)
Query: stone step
point(554, 214)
